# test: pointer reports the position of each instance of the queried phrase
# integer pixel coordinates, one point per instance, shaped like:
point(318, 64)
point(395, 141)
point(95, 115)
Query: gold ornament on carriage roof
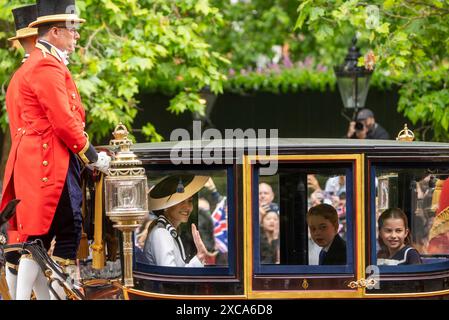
point(405, 134)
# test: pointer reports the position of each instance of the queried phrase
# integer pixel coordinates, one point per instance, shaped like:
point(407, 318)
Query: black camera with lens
point(359, 126)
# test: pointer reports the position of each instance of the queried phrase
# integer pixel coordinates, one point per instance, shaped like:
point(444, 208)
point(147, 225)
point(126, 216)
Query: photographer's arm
point(351, 130)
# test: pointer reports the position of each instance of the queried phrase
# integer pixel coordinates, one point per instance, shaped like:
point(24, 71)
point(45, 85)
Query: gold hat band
point(57, 18)
point(23, 33)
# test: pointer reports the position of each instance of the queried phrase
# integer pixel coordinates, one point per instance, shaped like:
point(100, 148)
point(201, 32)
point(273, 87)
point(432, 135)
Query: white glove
point(102, 163)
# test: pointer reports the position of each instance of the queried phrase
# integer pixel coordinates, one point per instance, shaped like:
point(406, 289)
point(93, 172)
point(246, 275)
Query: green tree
point(250, 32)
point(409, 39)
point(132, 45)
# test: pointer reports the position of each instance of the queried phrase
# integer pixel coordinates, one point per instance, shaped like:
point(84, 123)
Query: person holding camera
point(366, 127)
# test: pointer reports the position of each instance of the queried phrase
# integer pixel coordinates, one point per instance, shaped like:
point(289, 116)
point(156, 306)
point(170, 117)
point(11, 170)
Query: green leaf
point(196, 73)
point(384, 28)
point(324, 32)
point(437, 3)
point(140, 63)
point(304, 12)
point(202, 6)
point(111, 6)
point(389, 4)
point(316, 13)
point(150, 132)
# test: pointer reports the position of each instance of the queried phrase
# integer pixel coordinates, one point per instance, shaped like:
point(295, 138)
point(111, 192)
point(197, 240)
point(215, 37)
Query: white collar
point(25, 57)
point(62, 54)
point(329, 245)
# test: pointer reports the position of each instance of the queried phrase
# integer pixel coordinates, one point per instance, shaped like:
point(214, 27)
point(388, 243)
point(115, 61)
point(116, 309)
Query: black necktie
point(322, 256)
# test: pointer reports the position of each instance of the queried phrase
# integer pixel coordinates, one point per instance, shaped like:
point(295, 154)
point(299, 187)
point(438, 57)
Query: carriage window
point(302, 218)
point(411, 217)
point(184, 198)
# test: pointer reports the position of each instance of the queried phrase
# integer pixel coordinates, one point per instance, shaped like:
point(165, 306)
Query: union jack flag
point(220, 219)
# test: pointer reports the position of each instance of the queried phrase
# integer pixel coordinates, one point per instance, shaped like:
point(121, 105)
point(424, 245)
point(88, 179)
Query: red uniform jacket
point(47, 117)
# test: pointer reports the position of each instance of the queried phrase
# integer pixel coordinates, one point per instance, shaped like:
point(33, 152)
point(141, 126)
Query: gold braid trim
point(44, 50)
point(55, 54)
point(63, 262)
point(440, 224)
point(12, 266)
point(82, 155)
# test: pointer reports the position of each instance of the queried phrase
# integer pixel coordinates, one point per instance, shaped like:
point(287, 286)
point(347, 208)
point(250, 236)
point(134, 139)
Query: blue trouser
point(66, 226)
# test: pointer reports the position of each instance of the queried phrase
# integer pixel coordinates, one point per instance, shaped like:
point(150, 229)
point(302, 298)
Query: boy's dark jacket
point(336, 255)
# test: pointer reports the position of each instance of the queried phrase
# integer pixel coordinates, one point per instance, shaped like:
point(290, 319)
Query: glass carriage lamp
point(353, 81)
point(126, 194)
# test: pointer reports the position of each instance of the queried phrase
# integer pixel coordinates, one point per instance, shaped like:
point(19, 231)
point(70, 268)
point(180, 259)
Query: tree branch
point(428, 5)
point(92, 36)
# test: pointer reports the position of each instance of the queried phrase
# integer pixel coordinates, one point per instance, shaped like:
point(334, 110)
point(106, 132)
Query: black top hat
point(50, 11)
point(23, 16)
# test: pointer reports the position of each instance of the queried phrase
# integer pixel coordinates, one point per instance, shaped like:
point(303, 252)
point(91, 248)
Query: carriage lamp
point(353, 80)
point(126, 194)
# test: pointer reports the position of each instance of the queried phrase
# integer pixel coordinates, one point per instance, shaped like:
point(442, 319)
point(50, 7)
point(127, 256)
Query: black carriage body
point(363, 163)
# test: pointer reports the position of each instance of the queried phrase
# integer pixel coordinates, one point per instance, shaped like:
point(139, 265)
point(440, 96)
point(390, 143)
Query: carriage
point(361, 178)
point(374, 175)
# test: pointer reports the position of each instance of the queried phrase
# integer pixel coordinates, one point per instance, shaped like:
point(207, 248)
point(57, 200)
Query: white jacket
point(162, 249)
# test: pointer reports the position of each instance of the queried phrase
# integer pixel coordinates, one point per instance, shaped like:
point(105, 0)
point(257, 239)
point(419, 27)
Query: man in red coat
point(27, 37)
point(50, 145)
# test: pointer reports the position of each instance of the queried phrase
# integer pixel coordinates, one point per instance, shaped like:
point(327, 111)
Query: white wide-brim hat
point(174, 189)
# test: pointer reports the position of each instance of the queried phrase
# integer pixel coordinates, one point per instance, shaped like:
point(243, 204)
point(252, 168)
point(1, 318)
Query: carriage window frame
point(208, 270)
point(417, 268)
point(278, 269)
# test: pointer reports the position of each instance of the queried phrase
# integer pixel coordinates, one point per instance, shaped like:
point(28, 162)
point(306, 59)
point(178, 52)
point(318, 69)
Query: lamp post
point(126, 195)
point(353, 80)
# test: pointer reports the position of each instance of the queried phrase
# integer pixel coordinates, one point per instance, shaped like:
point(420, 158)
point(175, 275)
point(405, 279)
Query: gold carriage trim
point(440, 224)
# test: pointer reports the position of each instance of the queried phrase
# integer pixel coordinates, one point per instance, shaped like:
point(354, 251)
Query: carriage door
point(283, 258)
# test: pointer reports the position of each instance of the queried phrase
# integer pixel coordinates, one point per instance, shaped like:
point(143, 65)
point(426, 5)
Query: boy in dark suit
point(323, 225)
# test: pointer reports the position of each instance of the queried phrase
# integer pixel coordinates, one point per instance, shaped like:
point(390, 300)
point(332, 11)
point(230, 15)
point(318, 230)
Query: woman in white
point(163, 246)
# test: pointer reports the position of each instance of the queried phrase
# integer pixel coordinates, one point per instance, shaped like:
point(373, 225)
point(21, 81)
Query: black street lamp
point(353, 80)
point(208, 98)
